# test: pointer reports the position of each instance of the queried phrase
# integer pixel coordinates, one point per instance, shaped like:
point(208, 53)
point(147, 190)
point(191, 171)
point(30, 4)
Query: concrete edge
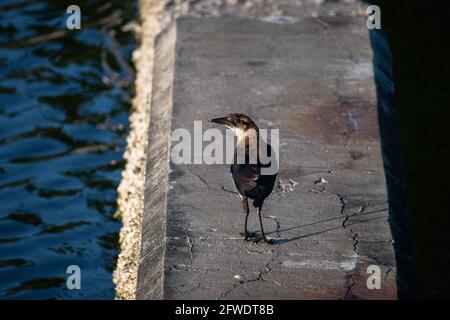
point(130, 192)
point(153, 239)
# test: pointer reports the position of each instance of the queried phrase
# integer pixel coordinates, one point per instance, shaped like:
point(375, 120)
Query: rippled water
point(64, 103)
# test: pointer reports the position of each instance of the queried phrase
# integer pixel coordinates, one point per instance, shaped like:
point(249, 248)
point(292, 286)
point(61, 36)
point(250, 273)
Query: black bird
point(248, 177)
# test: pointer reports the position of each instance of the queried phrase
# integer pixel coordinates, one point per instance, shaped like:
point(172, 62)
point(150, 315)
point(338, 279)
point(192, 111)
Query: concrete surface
point(313, 80)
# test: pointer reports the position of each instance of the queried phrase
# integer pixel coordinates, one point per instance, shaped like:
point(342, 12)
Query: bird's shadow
point(257, 237)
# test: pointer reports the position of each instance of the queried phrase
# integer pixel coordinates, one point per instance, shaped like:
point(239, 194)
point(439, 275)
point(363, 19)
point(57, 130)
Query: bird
point(250, 181)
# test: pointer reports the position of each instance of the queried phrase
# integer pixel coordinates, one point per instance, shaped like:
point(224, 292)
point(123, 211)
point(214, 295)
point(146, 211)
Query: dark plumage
point(247, 176)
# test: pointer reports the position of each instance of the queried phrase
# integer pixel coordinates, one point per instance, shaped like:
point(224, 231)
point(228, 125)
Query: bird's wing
point(248, 179)
point(245, 177)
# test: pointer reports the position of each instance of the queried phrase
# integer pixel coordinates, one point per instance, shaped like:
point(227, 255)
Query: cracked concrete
point(328, 213)
point(259, 277)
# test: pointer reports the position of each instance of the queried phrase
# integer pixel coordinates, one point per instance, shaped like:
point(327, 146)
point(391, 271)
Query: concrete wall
point(312, 79)
point(153, 249)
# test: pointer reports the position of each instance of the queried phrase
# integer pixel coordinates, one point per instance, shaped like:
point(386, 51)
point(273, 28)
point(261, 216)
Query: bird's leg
point(262, 228)
point(246, 212)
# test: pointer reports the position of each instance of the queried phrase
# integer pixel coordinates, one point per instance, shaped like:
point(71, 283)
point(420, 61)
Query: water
point(64, 104)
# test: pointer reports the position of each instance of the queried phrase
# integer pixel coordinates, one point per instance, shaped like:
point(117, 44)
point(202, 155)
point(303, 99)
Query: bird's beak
point(220, 121)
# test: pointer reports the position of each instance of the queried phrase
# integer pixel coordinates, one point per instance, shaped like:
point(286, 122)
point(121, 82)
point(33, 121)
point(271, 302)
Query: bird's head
point(239, 123)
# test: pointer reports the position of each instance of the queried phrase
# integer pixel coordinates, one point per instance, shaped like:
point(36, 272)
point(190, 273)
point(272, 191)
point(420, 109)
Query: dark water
point(64, 104)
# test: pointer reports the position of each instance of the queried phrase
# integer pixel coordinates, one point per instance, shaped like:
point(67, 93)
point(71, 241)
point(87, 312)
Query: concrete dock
point(312, 79)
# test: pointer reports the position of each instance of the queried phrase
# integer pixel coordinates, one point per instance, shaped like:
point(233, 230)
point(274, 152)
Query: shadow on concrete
point(412, 76)
point(399, 220)
point(281, 241)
